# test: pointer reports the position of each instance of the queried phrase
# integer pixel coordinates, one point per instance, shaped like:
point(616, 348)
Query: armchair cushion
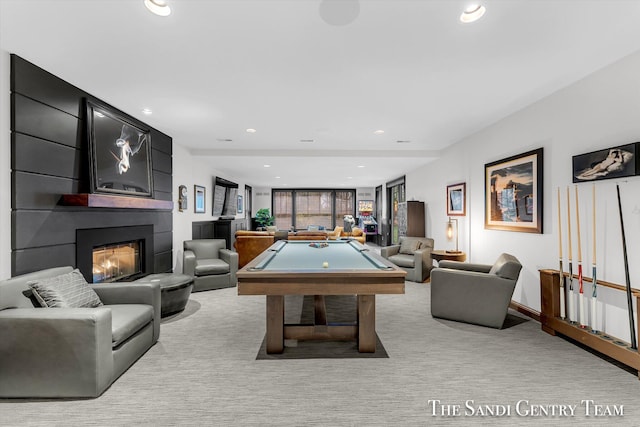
point(69, 290)
point(507, 267)
point(409, 246)
point(403, 260)
point(127, 319)
point(211, 266)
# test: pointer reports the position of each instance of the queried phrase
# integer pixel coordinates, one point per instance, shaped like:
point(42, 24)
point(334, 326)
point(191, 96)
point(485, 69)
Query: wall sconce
point(451, 232)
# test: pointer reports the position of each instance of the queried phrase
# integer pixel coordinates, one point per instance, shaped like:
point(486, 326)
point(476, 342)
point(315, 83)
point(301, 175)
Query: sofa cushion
point(205, 267)
point(127, 319)
point(65, 290)
point(355, 231)
point(403, 260)
point(409, 246)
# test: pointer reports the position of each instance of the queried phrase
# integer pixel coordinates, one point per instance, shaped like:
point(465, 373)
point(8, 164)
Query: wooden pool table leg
point(367, 323)
point(275, 323)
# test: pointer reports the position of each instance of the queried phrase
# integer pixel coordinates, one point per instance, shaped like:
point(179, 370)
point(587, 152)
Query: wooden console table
point(552, 323)
point(439, 255)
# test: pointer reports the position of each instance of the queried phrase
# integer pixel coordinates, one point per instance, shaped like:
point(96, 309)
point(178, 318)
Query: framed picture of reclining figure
point(610, 163)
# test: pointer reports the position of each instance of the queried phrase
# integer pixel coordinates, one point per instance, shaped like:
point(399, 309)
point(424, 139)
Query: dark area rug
point(340, 309)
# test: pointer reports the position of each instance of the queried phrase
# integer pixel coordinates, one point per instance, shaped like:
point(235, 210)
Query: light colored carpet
point(204, 371)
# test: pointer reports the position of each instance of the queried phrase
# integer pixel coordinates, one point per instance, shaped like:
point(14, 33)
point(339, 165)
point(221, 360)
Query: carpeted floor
point(204, 372)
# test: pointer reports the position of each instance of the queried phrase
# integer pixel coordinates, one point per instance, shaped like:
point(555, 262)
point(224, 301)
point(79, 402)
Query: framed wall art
point(616, 162)
point(120, 152)
point(199, 199)
point(513, 193)
point(240, 204)
point(456, 200)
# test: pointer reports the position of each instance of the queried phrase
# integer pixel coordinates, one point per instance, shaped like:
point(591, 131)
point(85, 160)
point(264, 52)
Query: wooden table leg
point(367, 323)
point(320, 311)
point(275, 323)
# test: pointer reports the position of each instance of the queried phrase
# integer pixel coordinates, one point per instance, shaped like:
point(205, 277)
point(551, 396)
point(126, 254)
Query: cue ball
point(325, 264)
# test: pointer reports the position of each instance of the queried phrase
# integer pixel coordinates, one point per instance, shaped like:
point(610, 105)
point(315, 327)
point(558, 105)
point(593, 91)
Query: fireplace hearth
point(114, 254)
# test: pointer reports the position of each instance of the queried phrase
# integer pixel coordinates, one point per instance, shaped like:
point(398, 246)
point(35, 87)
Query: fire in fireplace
point(114, 253)
point(116, 262)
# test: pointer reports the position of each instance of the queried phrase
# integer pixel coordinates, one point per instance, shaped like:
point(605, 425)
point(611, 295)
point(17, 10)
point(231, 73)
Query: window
point(301, 208)
point(283, 209)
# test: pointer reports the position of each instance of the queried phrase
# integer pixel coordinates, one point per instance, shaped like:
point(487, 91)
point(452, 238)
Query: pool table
point(336, 267)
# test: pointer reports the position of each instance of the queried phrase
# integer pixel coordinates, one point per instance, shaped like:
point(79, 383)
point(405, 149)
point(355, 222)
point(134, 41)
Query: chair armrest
point(457, 265)
point(75, 342)
point(231, 258)
point(189, 262)
point(422, 261)
point(133, 293)
point(388, 251)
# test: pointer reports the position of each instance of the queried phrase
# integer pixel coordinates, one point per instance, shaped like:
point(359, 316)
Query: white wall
point(192, 170)
point(599, 112)
point(5, 166)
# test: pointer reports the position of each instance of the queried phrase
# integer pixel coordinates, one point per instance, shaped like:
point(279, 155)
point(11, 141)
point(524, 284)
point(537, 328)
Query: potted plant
point(264, 218)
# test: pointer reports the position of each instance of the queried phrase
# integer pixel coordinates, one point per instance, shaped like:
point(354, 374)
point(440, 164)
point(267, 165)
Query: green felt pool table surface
point(304, 255)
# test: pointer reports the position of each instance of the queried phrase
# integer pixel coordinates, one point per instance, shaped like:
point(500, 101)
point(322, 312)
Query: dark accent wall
point(49, 157)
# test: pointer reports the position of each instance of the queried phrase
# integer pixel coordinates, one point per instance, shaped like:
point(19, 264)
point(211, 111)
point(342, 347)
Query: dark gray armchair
point(72, 352)
point(474, 293)
point(210, 263)
point(413, 255)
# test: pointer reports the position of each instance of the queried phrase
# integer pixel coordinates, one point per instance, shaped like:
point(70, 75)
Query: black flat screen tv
point(225, 198)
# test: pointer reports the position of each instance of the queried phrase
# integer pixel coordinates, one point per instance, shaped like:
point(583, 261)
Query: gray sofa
point(413, 255)
point(210, 263)
point(72, 352)
point(474, 293)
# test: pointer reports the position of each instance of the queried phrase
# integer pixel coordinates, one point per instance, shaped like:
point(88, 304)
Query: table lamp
point(451, 233)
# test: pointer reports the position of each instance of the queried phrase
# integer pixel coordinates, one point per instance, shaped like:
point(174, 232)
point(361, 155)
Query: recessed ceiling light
point(266, 166)
point(147, 111)
point(277, 177)
point(159, 7)
point(472, 13)
point(250, 130)
point(379, 132)
point(349, 177)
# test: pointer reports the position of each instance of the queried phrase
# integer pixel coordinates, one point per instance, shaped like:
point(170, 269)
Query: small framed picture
point(456, 200)
point(240, 205)
point(198, 205)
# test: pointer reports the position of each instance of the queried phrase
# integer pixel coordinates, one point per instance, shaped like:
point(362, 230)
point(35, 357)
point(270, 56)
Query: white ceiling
point(297, 69)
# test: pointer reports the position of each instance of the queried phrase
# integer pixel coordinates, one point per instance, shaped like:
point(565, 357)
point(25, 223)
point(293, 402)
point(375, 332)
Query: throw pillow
point(66, 290)
point(409, 246)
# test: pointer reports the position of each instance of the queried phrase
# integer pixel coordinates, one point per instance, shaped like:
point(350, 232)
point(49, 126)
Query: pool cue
point(561, 272)
point(594, 283)
point(581, 320)
point(570, 298)
point(632, 327)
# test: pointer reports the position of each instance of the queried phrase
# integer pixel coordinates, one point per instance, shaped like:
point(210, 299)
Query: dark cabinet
point(226, 229)
point(415, 219)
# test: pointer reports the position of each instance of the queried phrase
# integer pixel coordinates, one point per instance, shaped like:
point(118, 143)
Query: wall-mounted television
point(225, 197)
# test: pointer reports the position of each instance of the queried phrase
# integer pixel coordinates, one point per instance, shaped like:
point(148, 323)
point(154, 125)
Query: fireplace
point(115, 253)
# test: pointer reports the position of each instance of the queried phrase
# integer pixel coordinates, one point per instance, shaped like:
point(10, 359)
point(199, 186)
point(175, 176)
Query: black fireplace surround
point(89, 238)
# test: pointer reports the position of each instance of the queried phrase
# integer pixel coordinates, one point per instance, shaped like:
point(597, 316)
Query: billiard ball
point(325, 264)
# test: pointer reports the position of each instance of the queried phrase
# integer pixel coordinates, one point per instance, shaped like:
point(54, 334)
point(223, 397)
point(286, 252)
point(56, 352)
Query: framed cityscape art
point(513, 193)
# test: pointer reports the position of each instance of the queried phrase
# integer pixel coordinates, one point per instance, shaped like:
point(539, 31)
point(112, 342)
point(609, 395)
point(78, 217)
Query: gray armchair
point(413, 255)
point(474, 293)
point(210, 263)
point(72, 352)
